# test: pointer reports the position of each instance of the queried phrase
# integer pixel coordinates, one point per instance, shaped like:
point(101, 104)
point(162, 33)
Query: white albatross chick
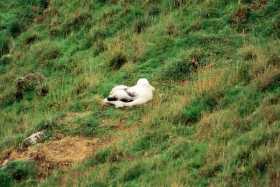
point(124, 96)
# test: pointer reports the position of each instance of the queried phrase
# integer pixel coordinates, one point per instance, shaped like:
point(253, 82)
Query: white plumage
point(124, 96)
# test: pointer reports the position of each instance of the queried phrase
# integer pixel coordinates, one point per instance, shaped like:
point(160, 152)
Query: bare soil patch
point(58, 153)
point(61, 152)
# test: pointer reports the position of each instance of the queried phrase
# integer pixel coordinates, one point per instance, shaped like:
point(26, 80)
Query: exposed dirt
point(58, 153)
point(61, 152)
point(68, 149)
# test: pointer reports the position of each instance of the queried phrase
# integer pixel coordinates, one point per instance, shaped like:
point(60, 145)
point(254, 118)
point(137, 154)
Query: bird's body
point(124, 96)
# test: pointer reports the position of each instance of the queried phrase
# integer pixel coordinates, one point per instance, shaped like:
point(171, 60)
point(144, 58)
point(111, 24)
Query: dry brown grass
point(138, 46)
point(267, 79)
point(209, 79)
point(164, 106)
point(213, 124)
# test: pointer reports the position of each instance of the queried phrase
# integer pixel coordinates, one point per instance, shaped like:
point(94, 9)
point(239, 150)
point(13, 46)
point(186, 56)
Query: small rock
point(5, 163)
point(34, 138)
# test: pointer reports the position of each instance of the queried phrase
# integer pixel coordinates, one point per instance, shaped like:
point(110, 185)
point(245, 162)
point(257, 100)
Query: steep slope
point(214, 120)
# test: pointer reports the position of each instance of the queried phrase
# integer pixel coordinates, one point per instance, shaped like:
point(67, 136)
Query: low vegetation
point(214, 120)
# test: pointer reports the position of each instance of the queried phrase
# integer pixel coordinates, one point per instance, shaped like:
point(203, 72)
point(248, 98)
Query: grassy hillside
point(215, 117)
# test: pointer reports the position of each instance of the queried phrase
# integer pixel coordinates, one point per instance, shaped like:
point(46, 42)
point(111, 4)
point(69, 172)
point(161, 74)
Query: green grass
point(214, 120)
point(17, 171)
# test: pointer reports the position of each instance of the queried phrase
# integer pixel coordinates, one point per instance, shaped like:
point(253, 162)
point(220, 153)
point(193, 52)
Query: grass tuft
point(117, 61)
point(20, 170)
